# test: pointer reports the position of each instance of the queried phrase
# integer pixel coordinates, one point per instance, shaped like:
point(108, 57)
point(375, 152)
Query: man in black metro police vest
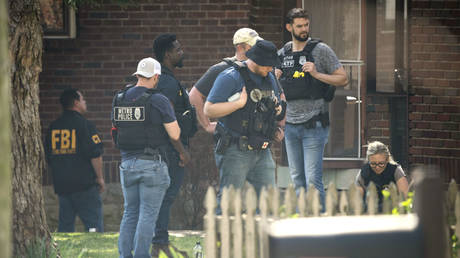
point(246, 99)
point(74, 153)
point(146, 132)
point(309, 74)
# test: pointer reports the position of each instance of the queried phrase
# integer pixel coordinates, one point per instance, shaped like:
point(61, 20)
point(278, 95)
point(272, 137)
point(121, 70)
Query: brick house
point(415, 108)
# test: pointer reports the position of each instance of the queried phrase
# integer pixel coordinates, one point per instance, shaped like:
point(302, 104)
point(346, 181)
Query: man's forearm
point(97, 165)
point(197, 99)
point(216, 110)
point(178, 146)
point(337, 78)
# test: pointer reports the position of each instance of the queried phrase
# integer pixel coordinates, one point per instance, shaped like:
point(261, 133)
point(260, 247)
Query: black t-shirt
point(204, 84)
point(162, 112)
point(71, 142)
point(169, 86)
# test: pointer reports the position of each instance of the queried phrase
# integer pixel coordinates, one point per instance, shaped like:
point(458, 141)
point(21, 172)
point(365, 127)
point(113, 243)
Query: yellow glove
point(298, 75)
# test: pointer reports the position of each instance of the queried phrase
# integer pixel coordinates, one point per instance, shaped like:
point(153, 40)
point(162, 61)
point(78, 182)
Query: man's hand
point(279, 134)
point(310, 68)
point(278, 107)
point(211, 127)
point(243, 98)
point(184, 158)
point(101, 183)
point(278, 73)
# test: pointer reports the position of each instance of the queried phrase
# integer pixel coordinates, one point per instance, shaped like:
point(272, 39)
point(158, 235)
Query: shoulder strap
point(287, 48)
point(236, 64)
point(310, 46)
point(121, 94)
point(146, 95)
point(244, 71)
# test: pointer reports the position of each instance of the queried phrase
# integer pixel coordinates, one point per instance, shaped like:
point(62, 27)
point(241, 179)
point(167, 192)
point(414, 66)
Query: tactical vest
point(257, 118)
point(380, 180)
point(298, 84)
point(135, 130)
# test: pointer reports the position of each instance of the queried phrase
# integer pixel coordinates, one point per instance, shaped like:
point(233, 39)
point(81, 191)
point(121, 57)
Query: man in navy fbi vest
point(74, 153)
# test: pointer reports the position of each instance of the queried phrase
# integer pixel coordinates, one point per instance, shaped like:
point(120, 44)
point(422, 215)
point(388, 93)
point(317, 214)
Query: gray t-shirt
point(204, 84)
point(301, 110)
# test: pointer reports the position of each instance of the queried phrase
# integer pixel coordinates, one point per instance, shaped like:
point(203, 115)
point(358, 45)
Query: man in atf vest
point(246, 99)
point(146, 130)
point(309, 73)
point(169, 53)
point(74, 152)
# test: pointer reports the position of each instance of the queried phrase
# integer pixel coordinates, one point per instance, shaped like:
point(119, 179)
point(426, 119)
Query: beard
point(180, 63)
point(300, 38)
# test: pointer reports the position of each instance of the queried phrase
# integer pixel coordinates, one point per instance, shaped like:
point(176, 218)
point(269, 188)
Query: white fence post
point(344, 207)
point(372, 199)
point(302, 203)
point(263, 237)
point(238, 226)
point(289, 201)
point(251, 202)
point(225, 224)
point(331, 200)
point(210, 223)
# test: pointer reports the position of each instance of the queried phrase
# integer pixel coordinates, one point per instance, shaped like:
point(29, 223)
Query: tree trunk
point(5, 132)
point(25, 45)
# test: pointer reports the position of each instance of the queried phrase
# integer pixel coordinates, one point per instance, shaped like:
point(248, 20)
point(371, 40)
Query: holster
point(152, 154)
point(323, 118)
point(222, 139)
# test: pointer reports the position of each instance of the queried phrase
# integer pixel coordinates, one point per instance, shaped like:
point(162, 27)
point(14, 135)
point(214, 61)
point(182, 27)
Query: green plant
point(455, 245)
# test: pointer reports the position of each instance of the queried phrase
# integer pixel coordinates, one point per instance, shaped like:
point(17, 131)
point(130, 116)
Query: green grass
point(102, 245)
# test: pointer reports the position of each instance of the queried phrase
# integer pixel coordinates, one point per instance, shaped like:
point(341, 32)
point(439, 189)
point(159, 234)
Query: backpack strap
point(311, 44)
point(287, 48)
point(146, 95)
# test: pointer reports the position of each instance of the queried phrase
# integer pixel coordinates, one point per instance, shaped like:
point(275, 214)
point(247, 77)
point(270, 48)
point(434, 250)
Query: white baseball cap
point(148, 67)
point(246, 35)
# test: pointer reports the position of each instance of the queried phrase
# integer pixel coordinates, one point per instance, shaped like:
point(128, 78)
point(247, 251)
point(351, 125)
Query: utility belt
point(158, 154)
point(323, 118)
point(224, 139)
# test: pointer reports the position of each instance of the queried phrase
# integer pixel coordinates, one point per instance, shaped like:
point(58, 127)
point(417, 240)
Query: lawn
point(102, 245)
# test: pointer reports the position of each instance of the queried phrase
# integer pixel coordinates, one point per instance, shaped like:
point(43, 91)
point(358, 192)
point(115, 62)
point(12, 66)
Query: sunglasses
point(375, 164)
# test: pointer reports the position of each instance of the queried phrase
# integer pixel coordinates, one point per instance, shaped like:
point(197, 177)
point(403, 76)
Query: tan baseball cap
point(246, 35)
point(148, 67)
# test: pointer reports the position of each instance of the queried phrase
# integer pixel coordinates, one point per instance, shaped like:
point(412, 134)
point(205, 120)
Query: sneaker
point(156, 248)
point(166, 249)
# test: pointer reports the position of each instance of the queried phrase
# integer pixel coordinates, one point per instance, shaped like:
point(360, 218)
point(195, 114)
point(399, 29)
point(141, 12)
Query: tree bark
point(5, 131)
point(25, 45)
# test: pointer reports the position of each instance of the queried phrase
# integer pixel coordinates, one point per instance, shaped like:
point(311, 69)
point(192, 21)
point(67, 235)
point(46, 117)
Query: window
point(338, 24)
point(58, 20)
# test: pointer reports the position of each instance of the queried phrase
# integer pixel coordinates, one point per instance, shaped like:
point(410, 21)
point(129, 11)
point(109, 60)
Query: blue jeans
point(236, 166)
point(176, 173)
point(305, 149)
point(86, 204)
point(144, 183)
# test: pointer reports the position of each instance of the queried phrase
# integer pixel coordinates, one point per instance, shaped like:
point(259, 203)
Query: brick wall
point(377, 126)
point(434, 104)
point(112, 39)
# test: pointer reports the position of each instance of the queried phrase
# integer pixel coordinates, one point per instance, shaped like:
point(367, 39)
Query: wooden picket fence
point(240, 223)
